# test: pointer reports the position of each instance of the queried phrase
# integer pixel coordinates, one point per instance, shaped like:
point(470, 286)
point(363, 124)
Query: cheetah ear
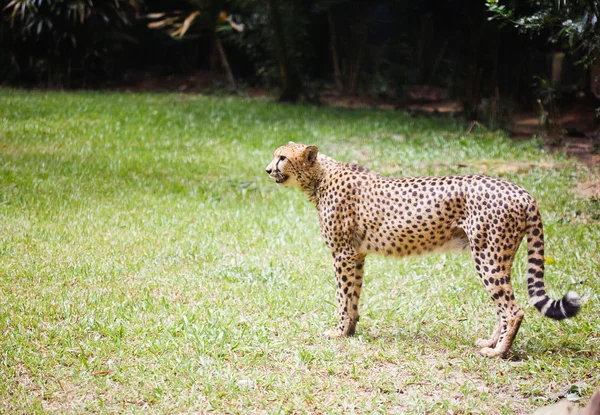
point(310, 154)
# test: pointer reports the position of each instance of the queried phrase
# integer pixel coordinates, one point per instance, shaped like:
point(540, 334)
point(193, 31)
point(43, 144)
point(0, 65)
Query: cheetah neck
point(312, 178)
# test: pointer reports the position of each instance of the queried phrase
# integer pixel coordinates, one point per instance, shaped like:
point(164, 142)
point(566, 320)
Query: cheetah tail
point(566, 307)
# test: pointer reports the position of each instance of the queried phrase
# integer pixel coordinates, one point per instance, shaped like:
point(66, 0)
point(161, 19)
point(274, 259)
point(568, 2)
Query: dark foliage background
point(480, 52)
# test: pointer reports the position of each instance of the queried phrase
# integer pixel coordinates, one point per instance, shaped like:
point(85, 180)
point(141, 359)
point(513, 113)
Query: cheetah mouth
point(280, 178)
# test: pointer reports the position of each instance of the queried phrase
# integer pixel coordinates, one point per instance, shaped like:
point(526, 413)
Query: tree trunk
point(475, 19)
point(215, 11)
point(337, 75)
point(225, 63)
point(437, 61)
point(356, 67)
point(291, 86)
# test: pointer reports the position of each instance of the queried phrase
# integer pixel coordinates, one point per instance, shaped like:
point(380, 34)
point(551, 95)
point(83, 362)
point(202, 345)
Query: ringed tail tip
point(566, 307)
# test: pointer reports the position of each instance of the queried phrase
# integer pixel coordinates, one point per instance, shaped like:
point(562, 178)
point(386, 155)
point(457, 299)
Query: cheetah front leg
point(349, 269)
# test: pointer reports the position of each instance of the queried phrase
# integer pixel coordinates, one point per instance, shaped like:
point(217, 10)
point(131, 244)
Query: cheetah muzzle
point(274, 170)
point(362, 212)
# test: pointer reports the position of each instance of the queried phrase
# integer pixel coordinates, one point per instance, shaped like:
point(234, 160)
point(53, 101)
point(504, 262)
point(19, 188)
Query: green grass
point(148, 265)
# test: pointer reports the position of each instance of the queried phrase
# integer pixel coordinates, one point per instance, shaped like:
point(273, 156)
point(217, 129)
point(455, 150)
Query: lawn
point(148, 265)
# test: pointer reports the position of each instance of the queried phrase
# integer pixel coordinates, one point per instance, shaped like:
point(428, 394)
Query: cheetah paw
point(332, 334)
point(489, 352)
point(485, 343)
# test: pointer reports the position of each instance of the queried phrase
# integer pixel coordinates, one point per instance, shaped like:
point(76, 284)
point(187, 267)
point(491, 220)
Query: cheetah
point(362, 212)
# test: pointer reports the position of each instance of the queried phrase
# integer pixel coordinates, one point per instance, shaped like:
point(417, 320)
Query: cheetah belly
point(393, 240)
point(458, 242)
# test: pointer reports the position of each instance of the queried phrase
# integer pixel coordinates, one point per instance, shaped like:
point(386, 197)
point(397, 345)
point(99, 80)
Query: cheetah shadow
point(449, 343)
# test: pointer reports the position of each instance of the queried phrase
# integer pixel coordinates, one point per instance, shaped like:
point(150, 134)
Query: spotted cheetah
point(362, 212)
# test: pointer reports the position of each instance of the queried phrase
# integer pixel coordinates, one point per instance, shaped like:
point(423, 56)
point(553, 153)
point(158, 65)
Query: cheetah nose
point(269, 170)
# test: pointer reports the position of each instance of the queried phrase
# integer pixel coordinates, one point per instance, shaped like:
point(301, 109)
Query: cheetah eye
point(281, 158)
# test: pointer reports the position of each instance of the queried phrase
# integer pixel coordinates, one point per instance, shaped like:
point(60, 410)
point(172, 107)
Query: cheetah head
point(291, 162)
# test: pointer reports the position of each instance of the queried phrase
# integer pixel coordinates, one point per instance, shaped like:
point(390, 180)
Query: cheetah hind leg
point(509, 320)
point(492, 341)
point(507, 336)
